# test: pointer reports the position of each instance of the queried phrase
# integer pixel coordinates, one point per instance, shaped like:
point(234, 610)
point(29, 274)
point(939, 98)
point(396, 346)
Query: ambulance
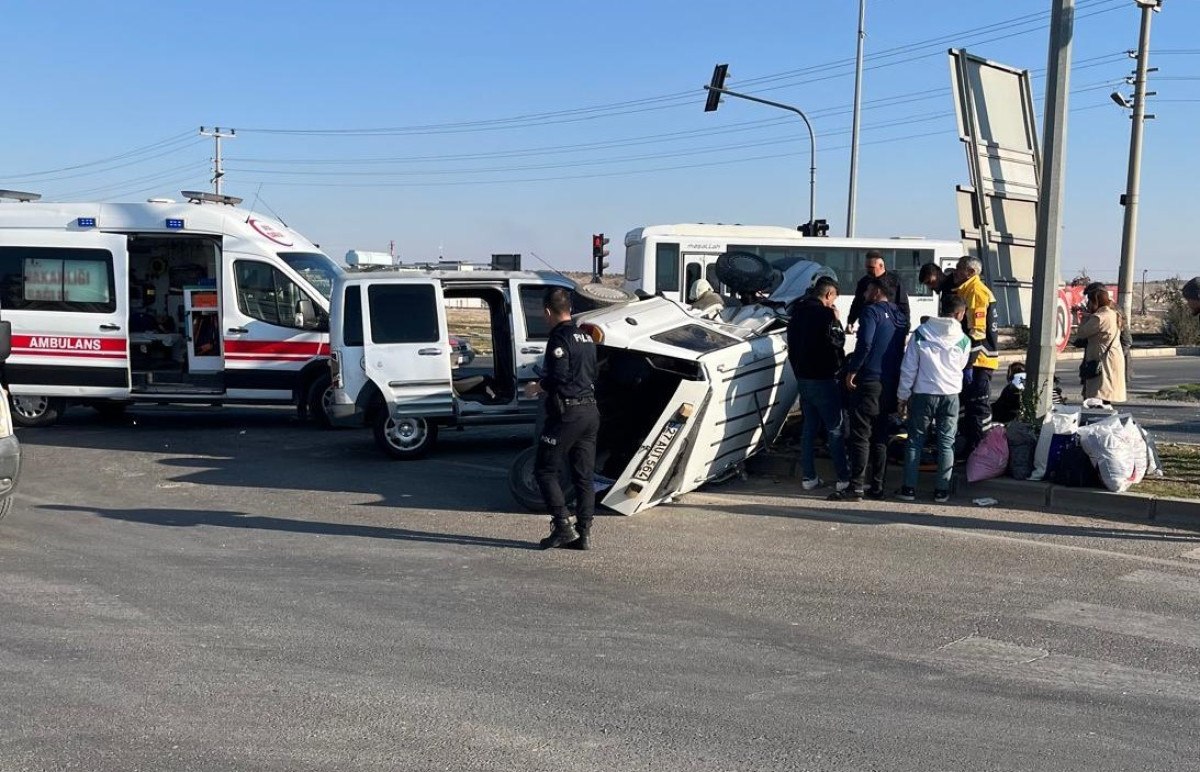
point(170, 302)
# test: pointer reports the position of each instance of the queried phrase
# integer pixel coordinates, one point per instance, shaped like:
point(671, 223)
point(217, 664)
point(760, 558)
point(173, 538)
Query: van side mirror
point(306, 315)
point(5, 340)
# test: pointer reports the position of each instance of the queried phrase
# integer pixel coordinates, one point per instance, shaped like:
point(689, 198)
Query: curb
point(1006, 357)
point(1024, 494)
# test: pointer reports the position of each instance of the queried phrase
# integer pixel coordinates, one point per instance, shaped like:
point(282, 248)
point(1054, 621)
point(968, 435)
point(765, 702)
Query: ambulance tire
point(525, 489)
point(318, 399)
point(410, 438)
point(589, 297)
point(34, 411)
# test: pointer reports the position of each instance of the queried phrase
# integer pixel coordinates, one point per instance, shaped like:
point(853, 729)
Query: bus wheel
point(33, 411)
point(404, 438)
point(319, 400)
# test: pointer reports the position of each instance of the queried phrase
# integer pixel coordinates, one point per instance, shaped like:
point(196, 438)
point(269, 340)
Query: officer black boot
point(561, 533)
point(584, 528)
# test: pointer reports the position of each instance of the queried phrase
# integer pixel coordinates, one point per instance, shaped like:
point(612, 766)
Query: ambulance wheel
point(319, 400)
point(589, 297)
point(405, 438)
point(33, 411)
point(524, 487)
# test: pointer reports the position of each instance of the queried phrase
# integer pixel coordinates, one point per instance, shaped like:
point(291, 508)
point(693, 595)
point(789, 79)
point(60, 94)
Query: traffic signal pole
point(717, 87)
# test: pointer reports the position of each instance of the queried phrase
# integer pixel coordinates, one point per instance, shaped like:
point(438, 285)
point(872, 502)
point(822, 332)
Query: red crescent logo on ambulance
point(270, 231)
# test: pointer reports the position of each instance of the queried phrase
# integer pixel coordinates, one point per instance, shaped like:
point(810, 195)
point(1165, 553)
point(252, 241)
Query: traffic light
point(599, 252)
point(714, 86)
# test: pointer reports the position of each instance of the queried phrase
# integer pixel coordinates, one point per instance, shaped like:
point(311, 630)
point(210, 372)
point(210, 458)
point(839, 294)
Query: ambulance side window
point(57, 279)
point(265, 294)
point(532, 308)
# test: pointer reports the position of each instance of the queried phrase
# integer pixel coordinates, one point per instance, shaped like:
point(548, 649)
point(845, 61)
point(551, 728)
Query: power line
point(127, 154)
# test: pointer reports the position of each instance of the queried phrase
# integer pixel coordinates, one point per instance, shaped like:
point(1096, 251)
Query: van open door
point(406, 322)
point(67, 297)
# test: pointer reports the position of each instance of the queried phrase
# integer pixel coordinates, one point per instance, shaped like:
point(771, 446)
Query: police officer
point(572, 423)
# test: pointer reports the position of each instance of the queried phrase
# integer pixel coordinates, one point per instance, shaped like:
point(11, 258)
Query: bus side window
point(666, 268)
point(690, 274)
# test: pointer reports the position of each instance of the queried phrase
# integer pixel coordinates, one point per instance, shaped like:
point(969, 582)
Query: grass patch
point(1184, 392)
point(1181, 472)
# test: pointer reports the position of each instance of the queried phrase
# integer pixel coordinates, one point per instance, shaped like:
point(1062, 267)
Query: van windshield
point(317, 269)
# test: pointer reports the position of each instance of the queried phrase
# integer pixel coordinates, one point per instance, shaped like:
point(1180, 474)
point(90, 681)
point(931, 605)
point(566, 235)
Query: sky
point(462, 129)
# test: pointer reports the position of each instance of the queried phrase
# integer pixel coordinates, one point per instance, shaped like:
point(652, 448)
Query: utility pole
point(852, 203)
point(1047, 253)
point(716, 88)
point(1134, 181)
point(218, 171)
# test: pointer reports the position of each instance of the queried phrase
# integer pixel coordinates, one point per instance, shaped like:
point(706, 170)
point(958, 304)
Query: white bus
point(667, 259)
point(161, 302)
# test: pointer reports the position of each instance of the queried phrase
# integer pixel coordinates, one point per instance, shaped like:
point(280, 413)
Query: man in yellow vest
point(980, 326)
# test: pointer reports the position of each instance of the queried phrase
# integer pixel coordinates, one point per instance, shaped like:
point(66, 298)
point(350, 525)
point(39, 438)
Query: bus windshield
point(317, 269)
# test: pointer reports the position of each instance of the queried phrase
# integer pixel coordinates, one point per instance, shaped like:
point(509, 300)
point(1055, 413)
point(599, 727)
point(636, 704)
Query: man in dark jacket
point(816, 349)
point(874, 268)
point(872, 378)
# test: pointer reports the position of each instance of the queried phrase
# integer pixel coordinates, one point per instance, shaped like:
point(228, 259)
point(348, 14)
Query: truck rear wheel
point(34, 411)
point(405, 438)
point(524, 487)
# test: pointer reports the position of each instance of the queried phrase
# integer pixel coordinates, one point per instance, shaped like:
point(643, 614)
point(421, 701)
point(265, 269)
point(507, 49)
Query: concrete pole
point(1047, 254)
point(1134, 181)
point(852, 203)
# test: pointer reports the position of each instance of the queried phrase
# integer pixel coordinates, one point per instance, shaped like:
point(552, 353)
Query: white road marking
point(994, 659)
point(1155, 627)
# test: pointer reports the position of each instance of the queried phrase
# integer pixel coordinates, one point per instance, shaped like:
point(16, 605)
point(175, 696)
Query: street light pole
point(1047, 253)
point(812, 140)
point(852, 203)
point(1134, 180)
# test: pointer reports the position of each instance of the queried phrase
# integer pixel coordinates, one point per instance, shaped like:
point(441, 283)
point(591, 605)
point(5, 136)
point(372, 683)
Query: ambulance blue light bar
point(86, 222)
point(174, 223)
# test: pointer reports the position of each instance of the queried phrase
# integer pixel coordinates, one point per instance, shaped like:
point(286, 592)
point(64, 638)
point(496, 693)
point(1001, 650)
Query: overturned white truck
point(685, 398)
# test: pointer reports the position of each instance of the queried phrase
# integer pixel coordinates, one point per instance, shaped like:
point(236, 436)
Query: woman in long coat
point(1100, 332)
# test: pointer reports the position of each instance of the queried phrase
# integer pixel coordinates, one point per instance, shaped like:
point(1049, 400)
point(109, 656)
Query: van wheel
point(404, 438)
point(36, 411)
point(319, 400)
point(524, 487)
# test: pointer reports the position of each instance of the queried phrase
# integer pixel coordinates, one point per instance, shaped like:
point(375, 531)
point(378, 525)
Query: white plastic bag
point(1111, 445)
point(1062, 419)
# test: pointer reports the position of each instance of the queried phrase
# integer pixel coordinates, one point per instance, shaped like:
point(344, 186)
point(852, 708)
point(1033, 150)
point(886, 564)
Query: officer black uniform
point(572, 423)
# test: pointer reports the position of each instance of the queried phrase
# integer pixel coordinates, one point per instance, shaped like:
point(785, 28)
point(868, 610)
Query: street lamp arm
point(812, 142)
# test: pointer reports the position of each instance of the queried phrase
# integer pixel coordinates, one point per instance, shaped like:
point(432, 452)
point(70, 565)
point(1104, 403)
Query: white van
point(666, 259)
point(393, 365)
point(164, 302)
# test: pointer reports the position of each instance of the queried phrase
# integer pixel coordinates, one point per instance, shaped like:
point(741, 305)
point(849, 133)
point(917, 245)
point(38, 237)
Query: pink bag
point(990, 459)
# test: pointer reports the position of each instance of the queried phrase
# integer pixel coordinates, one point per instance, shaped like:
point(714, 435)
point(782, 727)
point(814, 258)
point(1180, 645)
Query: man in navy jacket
point(872, 378)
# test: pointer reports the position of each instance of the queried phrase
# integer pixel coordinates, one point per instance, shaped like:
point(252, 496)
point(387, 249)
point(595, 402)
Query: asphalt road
point(227, 590)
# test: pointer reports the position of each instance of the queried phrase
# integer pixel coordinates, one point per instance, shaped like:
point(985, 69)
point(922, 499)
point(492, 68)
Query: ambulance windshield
point(317, 269)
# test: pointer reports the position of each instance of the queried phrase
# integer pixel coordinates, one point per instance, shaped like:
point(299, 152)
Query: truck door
point(407, 347)
point(67, 297)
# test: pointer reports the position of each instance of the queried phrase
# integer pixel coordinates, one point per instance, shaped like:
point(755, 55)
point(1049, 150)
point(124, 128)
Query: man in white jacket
point(931, 378)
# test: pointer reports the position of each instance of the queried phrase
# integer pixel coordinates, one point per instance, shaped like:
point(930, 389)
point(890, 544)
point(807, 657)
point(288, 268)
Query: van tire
point(318, 397)
point(589, 297)
point(35, 411)
point(413, 438)
point(524, 487)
